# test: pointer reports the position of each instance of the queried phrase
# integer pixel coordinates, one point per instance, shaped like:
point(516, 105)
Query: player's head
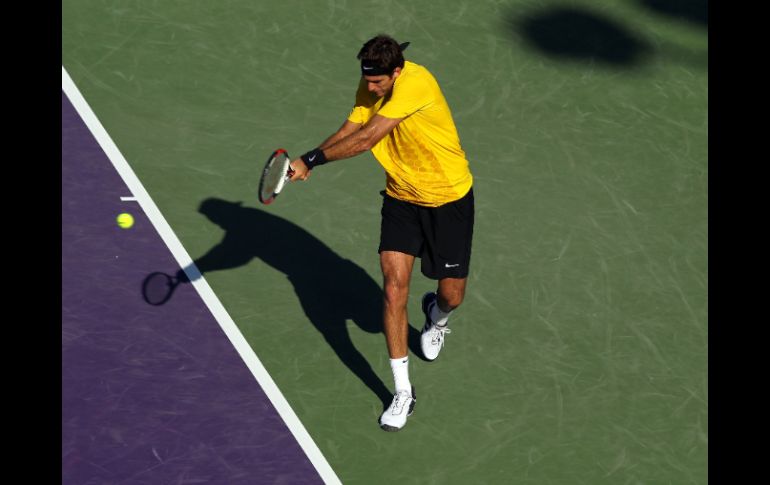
point(382, 59)
point(220, 212)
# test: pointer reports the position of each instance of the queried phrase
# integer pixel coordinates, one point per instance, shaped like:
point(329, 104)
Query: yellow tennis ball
point(125, 220)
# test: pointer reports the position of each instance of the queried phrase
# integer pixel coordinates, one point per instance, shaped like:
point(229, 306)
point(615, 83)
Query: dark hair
point(383, 52)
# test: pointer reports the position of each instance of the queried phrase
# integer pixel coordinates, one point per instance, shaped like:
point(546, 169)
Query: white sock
point(400, 368)
point(438, 317)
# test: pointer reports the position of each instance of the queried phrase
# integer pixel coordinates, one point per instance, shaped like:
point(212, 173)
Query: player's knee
point(396, 292)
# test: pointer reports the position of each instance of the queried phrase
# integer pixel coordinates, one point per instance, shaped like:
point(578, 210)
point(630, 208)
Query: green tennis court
point(580, 354)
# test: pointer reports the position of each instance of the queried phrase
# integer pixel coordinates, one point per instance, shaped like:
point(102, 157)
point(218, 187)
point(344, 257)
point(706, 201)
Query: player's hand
point(300, 170)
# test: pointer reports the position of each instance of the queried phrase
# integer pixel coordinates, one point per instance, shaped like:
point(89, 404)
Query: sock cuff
point(439, 317)
point(400, 368)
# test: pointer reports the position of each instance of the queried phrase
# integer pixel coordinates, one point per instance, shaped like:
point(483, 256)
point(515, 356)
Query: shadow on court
point(694, 11)
point(576, 33)
point(573, 33)
point(331, 289)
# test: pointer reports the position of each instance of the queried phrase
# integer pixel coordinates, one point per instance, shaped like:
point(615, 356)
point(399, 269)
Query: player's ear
point(396, 72)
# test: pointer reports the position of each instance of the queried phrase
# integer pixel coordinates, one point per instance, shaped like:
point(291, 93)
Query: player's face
point(382, 84)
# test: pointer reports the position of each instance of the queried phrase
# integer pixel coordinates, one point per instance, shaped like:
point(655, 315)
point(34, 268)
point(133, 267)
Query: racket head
point(274, 176)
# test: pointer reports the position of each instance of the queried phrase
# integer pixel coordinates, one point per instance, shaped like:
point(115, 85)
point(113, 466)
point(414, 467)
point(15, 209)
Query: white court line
point(198, 281)
point(125, 199)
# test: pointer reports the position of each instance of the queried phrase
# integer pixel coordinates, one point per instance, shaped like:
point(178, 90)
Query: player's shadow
point(582, 34)
point(574, 33)
point(330, 288)
point(693, 11)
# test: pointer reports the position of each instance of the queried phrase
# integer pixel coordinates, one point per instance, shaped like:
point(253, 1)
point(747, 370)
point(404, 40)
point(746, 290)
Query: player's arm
point(362, 140)
point(347, 128)
point(354, 143)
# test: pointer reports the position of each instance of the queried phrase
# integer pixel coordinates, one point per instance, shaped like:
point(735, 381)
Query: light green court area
point(580, 353)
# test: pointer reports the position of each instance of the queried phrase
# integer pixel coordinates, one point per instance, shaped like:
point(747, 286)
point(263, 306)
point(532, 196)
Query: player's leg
point(400, 241)
point(446, 258)
point(396, 271)
point(451, 293)
point(437, 308)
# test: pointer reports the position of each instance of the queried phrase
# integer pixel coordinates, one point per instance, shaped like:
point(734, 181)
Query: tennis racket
point(274, 176)
point(158, 287)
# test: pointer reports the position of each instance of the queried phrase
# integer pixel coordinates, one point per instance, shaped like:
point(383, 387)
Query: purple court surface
point(150, 394)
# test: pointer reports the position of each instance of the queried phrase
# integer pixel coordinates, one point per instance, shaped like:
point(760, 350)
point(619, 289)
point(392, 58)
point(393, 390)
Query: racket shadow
point(158, 287)
point(330, 288)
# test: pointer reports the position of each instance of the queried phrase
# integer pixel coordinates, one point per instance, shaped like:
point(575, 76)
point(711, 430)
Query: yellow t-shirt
point(422, 157)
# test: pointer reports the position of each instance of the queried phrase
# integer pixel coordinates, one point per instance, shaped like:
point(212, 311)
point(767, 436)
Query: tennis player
point(400, 114)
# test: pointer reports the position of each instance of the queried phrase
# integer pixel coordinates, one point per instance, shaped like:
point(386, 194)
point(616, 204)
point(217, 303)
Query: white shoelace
point(438, 334)
point(399, 401)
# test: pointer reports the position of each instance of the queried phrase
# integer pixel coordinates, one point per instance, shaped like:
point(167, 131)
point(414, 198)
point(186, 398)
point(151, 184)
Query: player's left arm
point(377, 128)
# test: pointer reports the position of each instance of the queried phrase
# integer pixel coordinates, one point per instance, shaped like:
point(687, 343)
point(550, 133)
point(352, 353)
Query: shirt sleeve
point(360, 108)
point(410, 95)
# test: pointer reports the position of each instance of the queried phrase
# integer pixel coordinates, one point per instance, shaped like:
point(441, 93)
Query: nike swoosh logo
point(312, 158)
point(447, 265)
point(368, 68)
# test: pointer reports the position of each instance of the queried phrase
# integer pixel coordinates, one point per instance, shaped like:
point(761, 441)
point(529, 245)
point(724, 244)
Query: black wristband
point(314, 158)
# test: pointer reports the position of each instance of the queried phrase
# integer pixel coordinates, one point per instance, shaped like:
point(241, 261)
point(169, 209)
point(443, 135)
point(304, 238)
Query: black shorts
point(439, 236)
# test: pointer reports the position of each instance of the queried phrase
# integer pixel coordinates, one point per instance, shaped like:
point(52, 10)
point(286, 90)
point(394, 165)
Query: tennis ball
point(125, 220)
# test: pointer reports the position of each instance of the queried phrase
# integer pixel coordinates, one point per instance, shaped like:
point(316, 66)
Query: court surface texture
point(580, 354)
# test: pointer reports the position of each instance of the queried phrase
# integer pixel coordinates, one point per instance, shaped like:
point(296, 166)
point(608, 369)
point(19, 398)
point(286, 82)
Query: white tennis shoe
point(394, 418)
point(432, 337)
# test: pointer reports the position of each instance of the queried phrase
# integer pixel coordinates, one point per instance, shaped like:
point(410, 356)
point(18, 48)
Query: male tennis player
point(400, 114)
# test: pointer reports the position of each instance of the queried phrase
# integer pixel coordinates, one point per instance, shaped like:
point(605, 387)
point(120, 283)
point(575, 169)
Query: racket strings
point(274, 176)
